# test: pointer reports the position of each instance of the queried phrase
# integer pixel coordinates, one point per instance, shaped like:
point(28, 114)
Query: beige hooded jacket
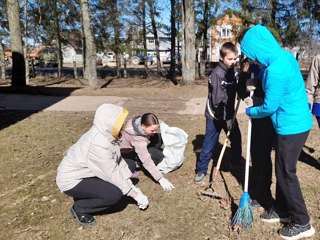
point(97, 153)
point(313, 81)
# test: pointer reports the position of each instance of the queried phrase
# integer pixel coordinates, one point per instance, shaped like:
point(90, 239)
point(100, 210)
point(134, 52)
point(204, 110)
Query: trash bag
point(174, 141)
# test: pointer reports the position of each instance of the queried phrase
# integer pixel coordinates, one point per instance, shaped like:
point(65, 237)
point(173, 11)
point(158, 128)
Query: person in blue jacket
point(285, 102)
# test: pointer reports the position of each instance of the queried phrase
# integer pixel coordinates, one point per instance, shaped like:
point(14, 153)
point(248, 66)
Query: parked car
point(44, 57)
point(139, 59)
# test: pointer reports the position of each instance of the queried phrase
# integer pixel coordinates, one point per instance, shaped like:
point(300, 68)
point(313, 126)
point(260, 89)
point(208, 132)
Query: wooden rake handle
point(217, 168)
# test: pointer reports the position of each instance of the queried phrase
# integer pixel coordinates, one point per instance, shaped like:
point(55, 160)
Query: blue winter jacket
point(285, 94)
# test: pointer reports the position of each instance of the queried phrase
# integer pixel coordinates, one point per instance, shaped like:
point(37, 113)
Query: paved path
point(194, 106)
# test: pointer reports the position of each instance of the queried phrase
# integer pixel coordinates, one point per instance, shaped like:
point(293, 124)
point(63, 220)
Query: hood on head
point(109, 118)
point(260, 45)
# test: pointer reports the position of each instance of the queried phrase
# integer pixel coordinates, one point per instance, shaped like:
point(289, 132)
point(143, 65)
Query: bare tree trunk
point(18, 62)
point(25, 49)
point(155, 33)
point(59, 47)
point(117, 37)
point(203, 56)
point(90, 71)
point(188, 49)
point(58, 38)
point(172, 73)
point(2, 61)
point(273, 13)
point(144, 32)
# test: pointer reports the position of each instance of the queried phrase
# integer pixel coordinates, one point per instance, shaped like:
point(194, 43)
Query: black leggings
point(263, 137)
point(288, 192)
point(93, 195)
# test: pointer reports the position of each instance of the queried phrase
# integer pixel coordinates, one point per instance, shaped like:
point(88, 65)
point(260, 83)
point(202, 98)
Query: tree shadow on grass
point(17, 104)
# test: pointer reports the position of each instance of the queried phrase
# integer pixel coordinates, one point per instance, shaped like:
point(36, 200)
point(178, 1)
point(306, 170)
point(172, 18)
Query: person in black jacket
point(262, 137)
point(219, 111)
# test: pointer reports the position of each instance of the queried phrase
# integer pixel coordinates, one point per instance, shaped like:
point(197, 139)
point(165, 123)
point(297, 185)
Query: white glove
point(165, 184)
point(251, 84)
point(142, 200)
point(137, 190)
point(253, 101)
point(229, 124)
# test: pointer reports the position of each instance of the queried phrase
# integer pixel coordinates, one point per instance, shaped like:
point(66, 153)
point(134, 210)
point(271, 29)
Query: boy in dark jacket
point(220, 110)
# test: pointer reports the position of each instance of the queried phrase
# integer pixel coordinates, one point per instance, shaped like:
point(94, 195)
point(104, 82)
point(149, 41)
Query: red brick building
point(225, 30)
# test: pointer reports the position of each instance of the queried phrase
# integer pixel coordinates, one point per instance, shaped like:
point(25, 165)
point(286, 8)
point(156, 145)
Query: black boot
point(83, 219)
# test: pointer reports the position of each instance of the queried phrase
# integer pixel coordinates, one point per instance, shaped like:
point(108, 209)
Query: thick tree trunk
point(155, 33)
point(18, 62)
point(90, 71)
point(188, 49)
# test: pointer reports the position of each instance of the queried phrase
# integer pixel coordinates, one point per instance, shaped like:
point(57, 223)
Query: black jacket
point(222, 88)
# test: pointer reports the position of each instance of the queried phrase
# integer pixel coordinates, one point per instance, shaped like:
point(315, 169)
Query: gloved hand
point(142, 200)
point(165, 184)
point(253, 101)
point(251, 84)
point(229, 124)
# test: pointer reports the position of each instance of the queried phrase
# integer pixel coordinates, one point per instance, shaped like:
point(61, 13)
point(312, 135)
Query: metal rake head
point(211, 193)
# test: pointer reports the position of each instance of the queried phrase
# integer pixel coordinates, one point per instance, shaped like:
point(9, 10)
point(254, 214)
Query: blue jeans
point(213, 129)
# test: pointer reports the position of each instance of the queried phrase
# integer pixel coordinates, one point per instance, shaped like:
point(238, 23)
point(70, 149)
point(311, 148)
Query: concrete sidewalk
point(193, 106)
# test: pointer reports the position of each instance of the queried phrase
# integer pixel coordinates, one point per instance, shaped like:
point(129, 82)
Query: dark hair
point(149, 119)
point(242, 33)
point(228, 47)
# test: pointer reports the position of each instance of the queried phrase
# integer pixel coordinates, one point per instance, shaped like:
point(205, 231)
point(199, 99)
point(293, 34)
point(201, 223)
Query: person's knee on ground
point(156, 155)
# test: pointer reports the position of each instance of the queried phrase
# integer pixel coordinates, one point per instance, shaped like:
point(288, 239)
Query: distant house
point(70, 54)
point(225, 30)
point(164, 45)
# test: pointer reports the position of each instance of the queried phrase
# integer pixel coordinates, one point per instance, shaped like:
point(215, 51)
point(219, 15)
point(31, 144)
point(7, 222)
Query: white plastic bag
point(174, 141)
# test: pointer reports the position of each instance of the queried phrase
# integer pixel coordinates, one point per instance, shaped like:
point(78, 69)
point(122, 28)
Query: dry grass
point(33, 208)
point(33, 144)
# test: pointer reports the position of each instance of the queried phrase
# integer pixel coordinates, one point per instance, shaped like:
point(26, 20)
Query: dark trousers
point(318, 120)
point(288, 193)
point(154, 148)
point(93, 195)
point(213, 129)
point(262, 138)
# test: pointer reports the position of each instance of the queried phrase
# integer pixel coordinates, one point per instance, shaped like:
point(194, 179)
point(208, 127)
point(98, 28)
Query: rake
point(209, 190)
point(244, 215)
